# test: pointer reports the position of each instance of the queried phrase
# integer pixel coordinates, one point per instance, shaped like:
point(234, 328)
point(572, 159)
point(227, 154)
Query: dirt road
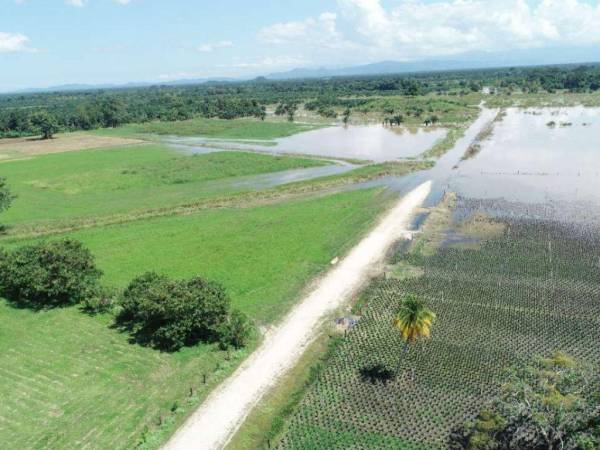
point(216, 420)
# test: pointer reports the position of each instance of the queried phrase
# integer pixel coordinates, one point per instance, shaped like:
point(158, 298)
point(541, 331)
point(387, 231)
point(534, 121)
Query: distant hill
point(464, 61)
point(90, 87)
point(380, 68)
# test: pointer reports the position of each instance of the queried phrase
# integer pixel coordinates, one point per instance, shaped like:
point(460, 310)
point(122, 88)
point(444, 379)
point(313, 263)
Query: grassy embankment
point(542, 99)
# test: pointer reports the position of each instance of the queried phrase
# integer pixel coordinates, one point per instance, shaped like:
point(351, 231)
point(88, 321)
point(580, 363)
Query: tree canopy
point(552, 403)
point(46, 123)
point(89, 109)
point(6, 196)
point(413, 318)
point(48, 274)
point(170, 314)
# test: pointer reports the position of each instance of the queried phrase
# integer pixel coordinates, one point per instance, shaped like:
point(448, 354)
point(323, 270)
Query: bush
point(170, 314)
point(6, 197)
point(543, 405)
point(99, 300)
point(236, 330)
point(48, 274)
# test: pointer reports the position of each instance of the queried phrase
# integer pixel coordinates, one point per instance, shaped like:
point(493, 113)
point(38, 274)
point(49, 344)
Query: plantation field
point(450, 110)
point(531, 287)
point(127, 179)
point(244, 129)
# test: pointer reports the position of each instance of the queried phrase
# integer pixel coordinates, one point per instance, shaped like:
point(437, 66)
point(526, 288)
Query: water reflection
point(537, 155)
point(368, 142)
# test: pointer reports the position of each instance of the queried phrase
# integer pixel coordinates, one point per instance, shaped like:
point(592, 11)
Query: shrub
point(48, 274)
point(170, 314)
point(236, 330)
point(6, 197)
point(99, 300)
point(543, 405)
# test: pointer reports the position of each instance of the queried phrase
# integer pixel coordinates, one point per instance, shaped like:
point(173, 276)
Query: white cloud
point(321, 31)
point(207, 48)
point(418, 29)
point(13, 42)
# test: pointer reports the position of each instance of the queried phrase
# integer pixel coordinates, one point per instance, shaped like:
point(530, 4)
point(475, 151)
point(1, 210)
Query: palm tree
point(414, 320)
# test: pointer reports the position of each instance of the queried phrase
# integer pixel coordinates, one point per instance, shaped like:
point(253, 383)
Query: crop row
point(531, 291)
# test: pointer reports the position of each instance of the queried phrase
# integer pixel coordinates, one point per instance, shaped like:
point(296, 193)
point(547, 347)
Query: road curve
point(215, 421)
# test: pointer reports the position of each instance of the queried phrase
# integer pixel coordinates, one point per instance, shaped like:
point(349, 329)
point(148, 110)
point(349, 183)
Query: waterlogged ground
point(537, 155)
point(511, 266)
point(364, 142)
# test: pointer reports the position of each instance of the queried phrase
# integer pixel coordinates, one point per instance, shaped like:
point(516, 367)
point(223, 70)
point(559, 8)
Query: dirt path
point(216, 420)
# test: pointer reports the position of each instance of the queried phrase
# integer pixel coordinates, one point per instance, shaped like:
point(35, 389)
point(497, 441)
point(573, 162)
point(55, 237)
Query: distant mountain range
point(379, 68)
point(90, 87)
point(472, 60)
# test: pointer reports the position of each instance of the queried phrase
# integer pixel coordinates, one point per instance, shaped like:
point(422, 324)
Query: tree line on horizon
point(28, 114)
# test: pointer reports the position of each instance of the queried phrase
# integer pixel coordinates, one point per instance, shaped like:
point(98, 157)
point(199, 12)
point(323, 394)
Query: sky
point(54, 42)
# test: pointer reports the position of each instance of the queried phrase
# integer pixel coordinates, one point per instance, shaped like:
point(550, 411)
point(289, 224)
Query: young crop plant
point(531, 289)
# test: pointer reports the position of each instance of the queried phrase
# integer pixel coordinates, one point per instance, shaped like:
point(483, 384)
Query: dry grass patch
point(32, 146)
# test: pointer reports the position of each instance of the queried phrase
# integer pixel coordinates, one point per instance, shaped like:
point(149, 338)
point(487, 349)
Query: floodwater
point(534, 156)
point(525, 160)
point(369, 142)
point(365, 142)
point(537, 155)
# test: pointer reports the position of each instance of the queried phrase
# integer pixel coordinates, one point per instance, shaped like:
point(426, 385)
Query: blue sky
point(52, 42)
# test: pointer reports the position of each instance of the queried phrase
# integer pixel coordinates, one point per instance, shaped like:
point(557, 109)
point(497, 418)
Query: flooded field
point(369, 142)
point(509, 264)
point(537, 155)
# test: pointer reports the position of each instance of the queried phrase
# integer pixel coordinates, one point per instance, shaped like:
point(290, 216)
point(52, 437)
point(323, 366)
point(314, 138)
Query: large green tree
point(170, 314)
point(46, 123)
point(552, 403)
point(48, 274)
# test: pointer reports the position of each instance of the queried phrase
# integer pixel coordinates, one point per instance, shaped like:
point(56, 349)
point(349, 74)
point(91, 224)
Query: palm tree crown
point(414, 319)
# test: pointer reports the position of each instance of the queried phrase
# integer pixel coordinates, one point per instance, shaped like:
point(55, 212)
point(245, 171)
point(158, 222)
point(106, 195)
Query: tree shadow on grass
point(376, 373)
point(18, 302)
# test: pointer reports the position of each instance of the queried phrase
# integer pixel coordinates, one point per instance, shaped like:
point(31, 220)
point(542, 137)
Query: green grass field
point(127, 179)
point(262, 255)
point(69, 380)
point(245, 129)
